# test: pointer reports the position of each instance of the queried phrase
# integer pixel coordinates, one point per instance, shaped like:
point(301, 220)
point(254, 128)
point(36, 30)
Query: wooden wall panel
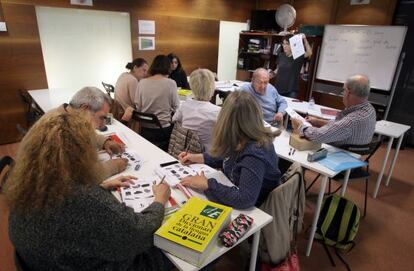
point(378, 12)
point(190, 28)
point(184, 37)
point(21, 66)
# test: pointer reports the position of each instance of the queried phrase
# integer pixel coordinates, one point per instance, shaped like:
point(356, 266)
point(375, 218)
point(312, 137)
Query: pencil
point(162, 180)
point(187, 149)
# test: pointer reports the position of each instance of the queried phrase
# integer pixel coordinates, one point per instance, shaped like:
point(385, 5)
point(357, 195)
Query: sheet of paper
point(139, 195)
point(296, 45)
point(82, 2)
point(315, 110)
point(3, 27)
point(292, 113)
point(146, 27)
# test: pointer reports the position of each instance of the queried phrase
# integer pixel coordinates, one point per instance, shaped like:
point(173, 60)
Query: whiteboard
point(83, 47)
point(370, 50)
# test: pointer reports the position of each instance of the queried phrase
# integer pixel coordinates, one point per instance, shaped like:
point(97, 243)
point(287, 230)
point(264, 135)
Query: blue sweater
point(254, 171)
point(271, 102)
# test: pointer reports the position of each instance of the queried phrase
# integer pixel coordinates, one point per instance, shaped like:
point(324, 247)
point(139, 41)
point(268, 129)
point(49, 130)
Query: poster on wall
point(82, 2)
point(3, 27)
point(360, 2)
point(146, 27)
point(146, 43)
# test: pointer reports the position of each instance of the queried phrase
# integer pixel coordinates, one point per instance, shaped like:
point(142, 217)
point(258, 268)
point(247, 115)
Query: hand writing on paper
point(187, 158)
point(162, 192)
point(113, 147)
point(198, 182)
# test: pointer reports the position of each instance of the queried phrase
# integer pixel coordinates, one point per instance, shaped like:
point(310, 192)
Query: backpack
point(338, 225)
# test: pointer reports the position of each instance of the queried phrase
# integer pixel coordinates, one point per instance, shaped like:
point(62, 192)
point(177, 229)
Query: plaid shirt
point(354, 125)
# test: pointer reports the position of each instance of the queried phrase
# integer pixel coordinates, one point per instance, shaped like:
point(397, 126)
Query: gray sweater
point(90, 230)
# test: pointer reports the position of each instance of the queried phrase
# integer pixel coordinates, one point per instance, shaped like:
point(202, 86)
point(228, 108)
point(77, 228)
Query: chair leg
point(312, 183)
point(329, 186)
point(366, 197)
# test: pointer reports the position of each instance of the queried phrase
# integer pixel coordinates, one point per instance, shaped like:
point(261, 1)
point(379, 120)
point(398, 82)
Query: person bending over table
point(272, 103)
point(177, 72)
point(355, 125)
point(96, 103)
point(243, 148)
point(198, 114)
point(63, 217)
point(127, 83)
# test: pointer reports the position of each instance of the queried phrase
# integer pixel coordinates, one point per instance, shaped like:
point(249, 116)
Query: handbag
point(291, 262)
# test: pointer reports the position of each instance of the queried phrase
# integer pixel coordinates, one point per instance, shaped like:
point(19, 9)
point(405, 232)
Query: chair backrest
point(366, 149)
point(6, 162)
point(109, 88)
point(33, 111)
point(183, 139)
point(146, 118)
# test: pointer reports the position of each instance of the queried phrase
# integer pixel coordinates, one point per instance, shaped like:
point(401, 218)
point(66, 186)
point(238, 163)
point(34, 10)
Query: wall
point(378, 12)
point(189, 28)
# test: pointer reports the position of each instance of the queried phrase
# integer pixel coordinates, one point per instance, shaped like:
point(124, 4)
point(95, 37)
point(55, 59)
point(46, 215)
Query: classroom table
point(152, 156)
point(282, 148)
point(390, 129)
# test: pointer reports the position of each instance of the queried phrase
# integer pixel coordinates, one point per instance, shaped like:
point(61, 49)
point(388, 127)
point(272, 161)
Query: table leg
point(255, 247)
point(345, 184)
point(316, 215)
point(393, 160)
point(377, 185)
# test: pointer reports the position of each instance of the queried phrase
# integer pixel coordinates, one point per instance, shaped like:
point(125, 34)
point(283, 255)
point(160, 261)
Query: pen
point(187, 149)
point(290, 151)
point(162, 180)
point(293, 151)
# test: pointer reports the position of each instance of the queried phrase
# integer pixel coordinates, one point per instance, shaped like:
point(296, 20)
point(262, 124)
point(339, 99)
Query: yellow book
point(184, 92)
point(192, 231)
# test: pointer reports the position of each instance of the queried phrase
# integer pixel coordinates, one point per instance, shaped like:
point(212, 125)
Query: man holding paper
point(272, 103)
point(354, 125)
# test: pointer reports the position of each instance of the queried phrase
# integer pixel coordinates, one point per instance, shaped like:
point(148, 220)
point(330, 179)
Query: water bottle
point(311, 104)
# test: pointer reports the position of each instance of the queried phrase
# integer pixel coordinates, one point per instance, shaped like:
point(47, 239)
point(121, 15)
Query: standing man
point(272, 103)
point(355, 125)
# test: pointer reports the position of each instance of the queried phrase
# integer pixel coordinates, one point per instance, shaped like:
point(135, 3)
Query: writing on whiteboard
point(371, 50)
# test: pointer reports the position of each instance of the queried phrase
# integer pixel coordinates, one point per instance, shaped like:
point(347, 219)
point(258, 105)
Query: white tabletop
point(48, 99)
point(390, 129)
point(282, 148)
point(151, 156)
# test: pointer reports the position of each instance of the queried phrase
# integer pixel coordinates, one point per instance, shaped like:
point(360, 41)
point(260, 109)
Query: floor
point(385, 240)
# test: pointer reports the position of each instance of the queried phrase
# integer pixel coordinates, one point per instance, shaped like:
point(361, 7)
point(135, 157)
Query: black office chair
point(6, 162)
point(159, 136)
point(33, 111)
point(356, 174)
point(361, 173)
point(109, 88)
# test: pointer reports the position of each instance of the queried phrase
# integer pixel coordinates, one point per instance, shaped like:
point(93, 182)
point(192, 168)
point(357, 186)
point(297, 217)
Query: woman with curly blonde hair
point(62, 216)
point(243, 148)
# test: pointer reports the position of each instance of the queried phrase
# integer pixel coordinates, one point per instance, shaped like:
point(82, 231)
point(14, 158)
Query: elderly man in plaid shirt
point(354, 125)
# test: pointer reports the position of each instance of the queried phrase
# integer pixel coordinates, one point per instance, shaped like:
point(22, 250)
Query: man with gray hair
point(354, 125)
point(94, 101)
point(272, 103)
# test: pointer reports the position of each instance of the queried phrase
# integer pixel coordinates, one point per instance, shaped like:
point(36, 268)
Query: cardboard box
point(302, 144)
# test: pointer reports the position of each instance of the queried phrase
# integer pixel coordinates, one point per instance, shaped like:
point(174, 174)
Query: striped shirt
point(354, 126)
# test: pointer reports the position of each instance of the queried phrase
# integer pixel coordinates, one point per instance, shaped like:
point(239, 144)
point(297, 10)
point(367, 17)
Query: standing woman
point(127, 83)
point(63, 217)
point(157, 94)
point(177, 72)
point(288, 69)
point(243, 148)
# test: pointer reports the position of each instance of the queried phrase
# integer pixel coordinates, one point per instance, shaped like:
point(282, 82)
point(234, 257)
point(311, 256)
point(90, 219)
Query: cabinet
point(261, 49)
